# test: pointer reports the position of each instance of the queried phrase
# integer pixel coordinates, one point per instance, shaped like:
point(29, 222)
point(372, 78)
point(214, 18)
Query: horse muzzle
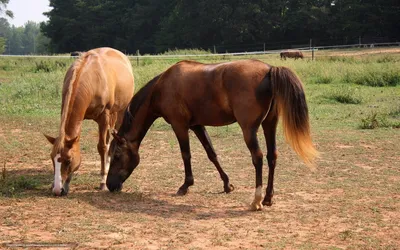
point(60, 190)
point(114, 184)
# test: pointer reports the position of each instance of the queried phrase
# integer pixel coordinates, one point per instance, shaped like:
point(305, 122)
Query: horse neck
point(141, 123)
point(73, 125)
point(73, 114)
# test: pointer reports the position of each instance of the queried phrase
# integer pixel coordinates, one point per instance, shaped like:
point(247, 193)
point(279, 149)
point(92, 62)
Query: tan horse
point(191, 95)
point(292, 54)
point(97, 86)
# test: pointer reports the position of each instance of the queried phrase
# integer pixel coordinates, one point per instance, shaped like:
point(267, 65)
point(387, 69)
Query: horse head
point(66, 158)
point(124, 159)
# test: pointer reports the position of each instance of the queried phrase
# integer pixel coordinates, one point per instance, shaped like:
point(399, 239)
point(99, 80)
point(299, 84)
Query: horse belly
point(212, 116)
point(93, 112)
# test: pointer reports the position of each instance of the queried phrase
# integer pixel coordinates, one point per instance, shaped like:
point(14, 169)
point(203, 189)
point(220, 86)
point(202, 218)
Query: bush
point(345, 94)
point(9, 187)
point(324, 79)
point(373, 121)
point(49, 66)
point(378, 79)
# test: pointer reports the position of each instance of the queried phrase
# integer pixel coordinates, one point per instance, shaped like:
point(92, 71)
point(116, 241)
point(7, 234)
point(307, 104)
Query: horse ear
point(120, 139)
point(52, 140)
point(71, 142)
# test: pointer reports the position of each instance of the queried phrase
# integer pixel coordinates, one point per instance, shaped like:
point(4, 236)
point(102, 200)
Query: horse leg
point(269, 126)
point(202, 134)
point(250, 137)
point(183, 138)
point(103, 146)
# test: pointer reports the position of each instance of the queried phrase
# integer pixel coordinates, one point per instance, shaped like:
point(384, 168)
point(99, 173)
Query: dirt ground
point(350, 202)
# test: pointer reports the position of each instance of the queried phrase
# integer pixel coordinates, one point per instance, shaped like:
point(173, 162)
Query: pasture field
point(351, 201)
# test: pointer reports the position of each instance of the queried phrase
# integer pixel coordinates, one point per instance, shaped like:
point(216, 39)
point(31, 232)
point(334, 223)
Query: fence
point(312, 49)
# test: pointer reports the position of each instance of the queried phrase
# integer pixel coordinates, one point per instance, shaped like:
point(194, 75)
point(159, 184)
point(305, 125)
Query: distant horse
point(191, 95)
point(97, 86)
point(76, 53)
point(292, 54)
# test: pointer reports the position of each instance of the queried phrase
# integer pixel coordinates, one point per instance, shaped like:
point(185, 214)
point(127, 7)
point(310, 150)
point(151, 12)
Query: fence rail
point(305, 49)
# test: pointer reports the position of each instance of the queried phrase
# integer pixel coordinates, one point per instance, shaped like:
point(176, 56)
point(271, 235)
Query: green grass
point(32, 86)
point(14, 185)
point(345, 94)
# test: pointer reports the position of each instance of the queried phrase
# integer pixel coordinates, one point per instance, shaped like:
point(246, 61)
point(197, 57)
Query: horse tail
point(69, 83)
point(292, 107)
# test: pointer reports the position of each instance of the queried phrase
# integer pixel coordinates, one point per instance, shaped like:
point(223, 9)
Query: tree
point(2, 45)
point(233, 25)
point(3, 8)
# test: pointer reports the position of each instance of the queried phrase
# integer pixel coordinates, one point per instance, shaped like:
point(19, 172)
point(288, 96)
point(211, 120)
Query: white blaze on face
point(57, 175)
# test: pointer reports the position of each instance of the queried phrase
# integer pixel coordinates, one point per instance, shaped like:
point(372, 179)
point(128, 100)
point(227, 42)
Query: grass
point(14, 186)
point(375, 120)
point(345, 94)
point(349, 202)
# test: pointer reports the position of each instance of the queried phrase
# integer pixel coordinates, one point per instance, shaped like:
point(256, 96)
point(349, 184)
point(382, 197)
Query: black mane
point(136, 102)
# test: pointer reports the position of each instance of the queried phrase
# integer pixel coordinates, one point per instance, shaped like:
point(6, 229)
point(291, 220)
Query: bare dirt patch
point(351, 201)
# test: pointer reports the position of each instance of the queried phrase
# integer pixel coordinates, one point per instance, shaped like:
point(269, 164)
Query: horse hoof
point(182, 192)
point(229, 188)
point(256, 206)
point(267, 203)
point(103, 187)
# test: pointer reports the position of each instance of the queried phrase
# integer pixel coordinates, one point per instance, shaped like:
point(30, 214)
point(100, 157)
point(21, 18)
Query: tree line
point(24, 40)
point(154, 26)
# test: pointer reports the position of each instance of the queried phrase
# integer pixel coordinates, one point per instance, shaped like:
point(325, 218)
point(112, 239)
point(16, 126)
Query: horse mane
point(136, 102)
point(76, 71)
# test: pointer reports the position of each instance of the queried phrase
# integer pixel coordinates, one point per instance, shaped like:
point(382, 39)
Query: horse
point(291, 54)
point(76, 53)
point(98, 86)
point(191, 95)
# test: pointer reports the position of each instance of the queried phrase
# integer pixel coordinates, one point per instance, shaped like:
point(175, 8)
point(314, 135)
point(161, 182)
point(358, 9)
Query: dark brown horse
point(97, 86)
point(291, 54)
point(190, 95)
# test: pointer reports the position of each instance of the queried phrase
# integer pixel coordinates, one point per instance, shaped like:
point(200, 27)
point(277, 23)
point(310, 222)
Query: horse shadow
point(137, 203)
point(24, 184)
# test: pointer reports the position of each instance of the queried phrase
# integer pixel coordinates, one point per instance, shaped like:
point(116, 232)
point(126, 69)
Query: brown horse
point(190, 95)
point(97, 86)
point(292, 54)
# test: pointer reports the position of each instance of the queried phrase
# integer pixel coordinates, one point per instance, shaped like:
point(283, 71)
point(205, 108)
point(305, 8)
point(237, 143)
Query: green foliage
point(186, 52)
point(345, 94)
point(375, 120)
point(378, 79)
point(154, 26)
point(388, 59)
point(324, 79)
point(11, 186)
point(3, 8)
point(23, 40)
point(48, 66)
point(2, 45)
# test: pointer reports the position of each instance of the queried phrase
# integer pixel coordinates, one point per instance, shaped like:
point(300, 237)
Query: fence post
point(312, 54)
point(310, 43)
point(215, 51)
point(264, 47)
point(137, 57)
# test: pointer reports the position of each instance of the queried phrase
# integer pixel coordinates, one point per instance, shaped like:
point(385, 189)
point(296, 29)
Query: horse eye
point(68, 162)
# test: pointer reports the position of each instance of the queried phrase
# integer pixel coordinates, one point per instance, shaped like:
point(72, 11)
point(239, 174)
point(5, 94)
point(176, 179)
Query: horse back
point(104, 80)
point(209, 94)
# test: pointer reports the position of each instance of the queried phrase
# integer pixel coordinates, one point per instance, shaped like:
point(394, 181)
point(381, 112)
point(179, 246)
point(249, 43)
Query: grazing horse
point(191, 95)
point(97, 86)
point(292, 54)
